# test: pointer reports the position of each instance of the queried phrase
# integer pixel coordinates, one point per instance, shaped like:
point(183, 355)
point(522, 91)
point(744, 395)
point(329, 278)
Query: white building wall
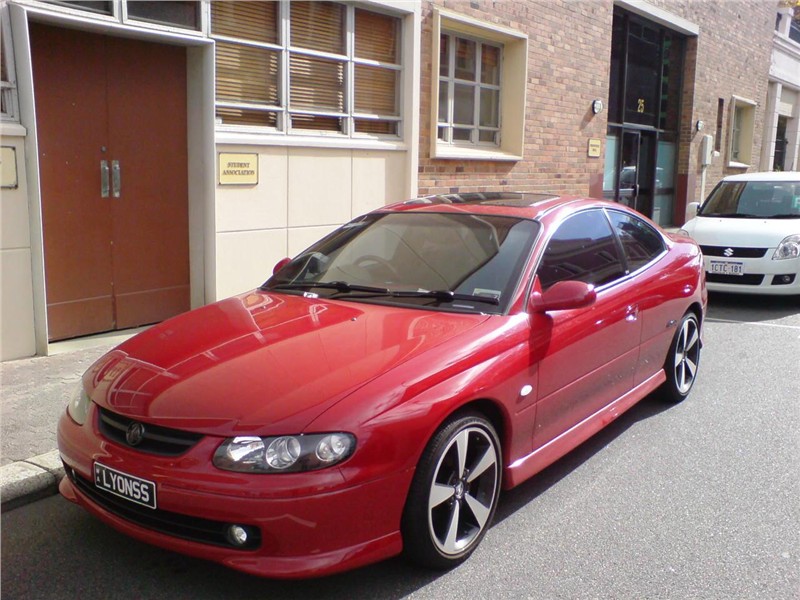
point(302, 195)
point(16, 282)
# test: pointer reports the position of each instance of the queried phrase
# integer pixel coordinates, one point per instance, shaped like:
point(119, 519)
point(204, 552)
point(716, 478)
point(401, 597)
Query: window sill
point(9, 128)
point(738, 165)
point(226, 136)
point(444, 152)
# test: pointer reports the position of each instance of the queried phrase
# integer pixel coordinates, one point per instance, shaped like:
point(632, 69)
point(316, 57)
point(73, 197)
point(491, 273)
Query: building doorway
point(112, 139)
point(643, 121)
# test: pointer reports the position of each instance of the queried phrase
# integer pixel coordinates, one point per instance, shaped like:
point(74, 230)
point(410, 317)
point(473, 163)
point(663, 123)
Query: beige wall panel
point(378, 180)
point(301, 238)
point(14, 220)
point(245, 259)
point(320, 186)
point(16, 307)
point(262, 206)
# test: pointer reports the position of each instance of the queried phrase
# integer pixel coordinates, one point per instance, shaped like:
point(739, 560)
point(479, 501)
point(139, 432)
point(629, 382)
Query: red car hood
point(262, 363)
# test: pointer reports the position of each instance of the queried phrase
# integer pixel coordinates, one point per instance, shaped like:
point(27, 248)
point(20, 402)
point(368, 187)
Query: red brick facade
point(569, 48)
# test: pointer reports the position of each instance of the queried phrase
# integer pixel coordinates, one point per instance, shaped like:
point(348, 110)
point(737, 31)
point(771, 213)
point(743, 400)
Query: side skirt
point(545, 455)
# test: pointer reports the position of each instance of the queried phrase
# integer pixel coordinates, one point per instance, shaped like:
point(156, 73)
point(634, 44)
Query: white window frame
point(513, 82)
point(349, 115)
point(740, 132)
point(8, 88)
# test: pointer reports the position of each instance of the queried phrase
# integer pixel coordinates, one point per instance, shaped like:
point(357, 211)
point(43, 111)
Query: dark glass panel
point(181, 13)
point(96, 6)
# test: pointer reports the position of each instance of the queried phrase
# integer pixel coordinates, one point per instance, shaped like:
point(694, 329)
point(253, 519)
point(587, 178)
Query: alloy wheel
point(687, 355)
point(463, 491)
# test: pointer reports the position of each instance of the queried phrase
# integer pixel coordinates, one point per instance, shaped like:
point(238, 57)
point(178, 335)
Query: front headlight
point(283, 454)
point(788, 248)
point(78, 406)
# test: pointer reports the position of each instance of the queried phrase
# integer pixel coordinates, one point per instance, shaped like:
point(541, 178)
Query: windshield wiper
point(731, 215)
point(445, 296)
point(342, 287)
point(784, 216)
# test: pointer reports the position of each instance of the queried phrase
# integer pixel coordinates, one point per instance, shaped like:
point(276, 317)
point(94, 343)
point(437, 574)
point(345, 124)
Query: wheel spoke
point(480, 511)
point(487, 461)
point(440, 493)
point(462, 442)
point(692, 367)
point(681, 376)
point(693, 339)
point(451, 539)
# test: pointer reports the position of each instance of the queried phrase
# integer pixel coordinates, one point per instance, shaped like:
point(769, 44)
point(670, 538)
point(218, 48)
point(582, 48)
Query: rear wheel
point(454, 493)
point(683, 360)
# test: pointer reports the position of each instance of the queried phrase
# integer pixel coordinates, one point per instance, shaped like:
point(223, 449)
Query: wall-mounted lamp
point(700, 125)
point(597, 106)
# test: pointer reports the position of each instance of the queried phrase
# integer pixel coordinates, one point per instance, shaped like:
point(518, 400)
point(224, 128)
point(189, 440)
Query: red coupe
point(378, 391)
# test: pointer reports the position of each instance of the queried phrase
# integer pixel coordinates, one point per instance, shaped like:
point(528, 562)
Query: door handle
point(104, 179)
point(632, 314)
point(116, 180)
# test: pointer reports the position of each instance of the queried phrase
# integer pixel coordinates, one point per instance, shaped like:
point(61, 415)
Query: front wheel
point(454, 493)
point(683, 360)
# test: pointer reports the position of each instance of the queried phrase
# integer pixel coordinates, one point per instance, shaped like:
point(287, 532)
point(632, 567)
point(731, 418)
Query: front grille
point(194, 529)
point(156, 440)
point(735, 279)
point(731, 252)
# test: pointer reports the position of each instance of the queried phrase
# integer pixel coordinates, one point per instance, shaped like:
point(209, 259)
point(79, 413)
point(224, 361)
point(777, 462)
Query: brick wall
point(568, 66)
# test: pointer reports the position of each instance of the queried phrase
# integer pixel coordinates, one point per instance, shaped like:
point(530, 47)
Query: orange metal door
point(111, 113)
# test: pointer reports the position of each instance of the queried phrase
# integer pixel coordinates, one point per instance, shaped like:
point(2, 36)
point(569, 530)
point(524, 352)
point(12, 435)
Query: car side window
point(583, 248)
point(640, 242)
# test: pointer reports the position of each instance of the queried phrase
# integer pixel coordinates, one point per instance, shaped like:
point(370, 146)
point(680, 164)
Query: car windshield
point(754, 200)
point(454, 262)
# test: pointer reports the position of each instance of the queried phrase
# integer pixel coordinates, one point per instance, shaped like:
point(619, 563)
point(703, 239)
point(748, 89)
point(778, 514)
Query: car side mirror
point(280, 264)
point(691, 210)
point(564, 295)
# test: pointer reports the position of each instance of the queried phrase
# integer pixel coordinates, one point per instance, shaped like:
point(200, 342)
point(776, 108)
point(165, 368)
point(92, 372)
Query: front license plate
point(727, 268)
point(125, 486)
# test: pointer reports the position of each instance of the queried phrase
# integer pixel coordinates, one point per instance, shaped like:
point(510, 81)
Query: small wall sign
point(8, 167)
point(595, 146)
point(238, 169)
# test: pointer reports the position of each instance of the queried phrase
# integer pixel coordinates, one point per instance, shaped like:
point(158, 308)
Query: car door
point(587, 356)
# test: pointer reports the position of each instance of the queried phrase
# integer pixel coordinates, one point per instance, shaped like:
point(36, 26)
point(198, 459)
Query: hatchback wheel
point(454, 493)
point(683, 360)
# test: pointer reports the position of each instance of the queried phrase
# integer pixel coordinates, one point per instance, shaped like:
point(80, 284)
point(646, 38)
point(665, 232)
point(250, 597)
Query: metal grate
point(155, 439)
point(731, 252)
point(735, 279)
point(195, 529)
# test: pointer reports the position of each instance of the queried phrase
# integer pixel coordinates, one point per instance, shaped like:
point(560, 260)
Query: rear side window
point(640, 242)
point(583, 248)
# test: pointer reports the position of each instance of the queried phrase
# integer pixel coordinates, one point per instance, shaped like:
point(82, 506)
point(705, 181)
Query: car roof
point(766, 176)
point(519, 204)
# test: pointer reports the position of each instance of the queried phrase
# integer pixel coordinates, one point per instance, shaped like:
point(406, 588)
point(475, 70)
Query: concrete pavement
point(34, 393)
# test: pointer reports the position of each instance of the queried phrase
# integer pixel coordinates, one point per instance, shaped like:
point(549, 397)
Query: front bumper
point(329, 526)
point(760, 276)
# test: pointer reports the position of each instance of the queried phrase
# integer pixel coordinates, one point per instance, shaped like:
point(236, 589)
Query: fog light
point(237, 535)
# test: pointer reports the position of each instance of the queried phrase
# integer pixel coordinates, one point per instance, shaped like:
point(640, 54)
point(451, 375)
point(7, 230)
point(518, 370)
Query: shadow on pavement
point(744, 307)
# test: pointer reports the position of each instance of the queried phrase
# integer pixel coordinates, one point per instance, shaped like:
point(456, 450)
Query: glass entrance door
point(629, 174)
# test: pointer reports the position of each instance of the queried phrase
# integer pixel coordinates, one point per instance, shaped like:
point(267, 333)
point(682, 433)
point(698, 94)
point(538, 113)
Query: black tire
point(683, 360)
point(454, 493)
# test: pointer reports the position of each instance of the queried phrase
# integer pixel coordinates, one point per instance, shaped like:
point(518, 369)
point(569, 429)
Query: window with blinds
point(307, 67)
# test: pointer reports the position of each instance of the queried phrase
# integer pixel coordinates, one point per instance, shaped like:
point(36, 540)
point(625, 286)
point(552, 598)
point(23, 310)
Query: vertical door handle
point(115, 179)
point(104, 179)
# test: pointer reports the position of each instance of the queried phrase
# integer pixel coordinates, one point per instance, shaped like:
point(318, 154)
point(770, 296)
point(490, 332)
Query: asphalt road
point(695, 501)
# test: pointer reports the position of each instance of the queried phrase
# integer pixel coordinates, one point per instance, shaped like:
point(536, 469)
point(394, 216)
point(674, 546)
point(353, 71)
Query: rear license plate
point(125, 486)
point(727, 268)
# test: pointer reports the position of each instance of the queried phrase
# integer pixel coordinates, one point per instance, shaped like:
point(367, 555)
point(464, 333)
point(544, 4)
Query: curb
point(26, 481)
